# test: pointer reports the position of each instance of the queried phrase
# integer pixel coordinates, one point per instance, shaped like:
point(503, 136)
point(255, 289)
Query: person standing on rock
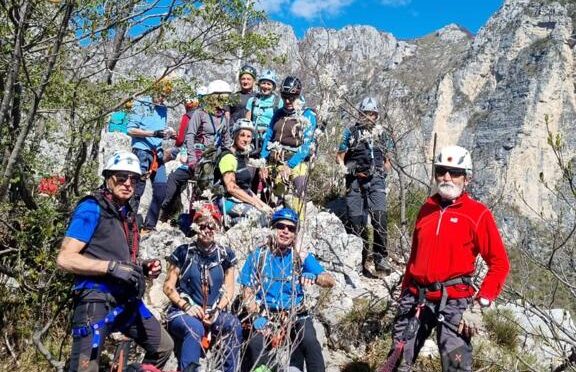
point(101, 248)
point(288, 145)
point(247, 78)
point(148, 128)
point(200, 285)
point(437, 290)
point(273, 279)
point(363, 156)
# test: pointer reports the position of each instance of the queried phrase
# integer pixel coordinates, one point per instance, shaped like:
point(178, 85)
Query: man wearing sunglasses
point(273, 279)
point(287, 144)
point(101, 250)
point(437, 289)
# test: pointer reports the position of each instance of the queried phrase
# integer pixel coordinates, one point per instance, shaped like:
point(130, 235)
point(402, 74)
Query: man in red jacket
point(437, 290)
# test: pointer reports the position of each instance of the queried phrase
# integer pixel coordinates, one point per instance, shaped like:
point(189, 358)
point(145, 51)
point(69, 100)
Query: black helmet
point(247, 69)
point(291, 85)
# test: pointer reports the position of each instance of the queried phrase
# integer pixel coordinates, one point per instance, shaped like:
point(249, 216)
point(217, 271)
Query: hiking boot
point(368, 269)
point(145, 231)
point(383, 266)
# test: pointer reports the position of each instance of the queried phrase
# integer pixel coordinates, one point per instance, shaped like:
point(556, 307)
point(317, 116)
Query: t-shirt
point(147, 115)
point(278, 287)
point(84, 220)
point(228, 163)
point(264, 109)
point(192, 261)
point(118, 122)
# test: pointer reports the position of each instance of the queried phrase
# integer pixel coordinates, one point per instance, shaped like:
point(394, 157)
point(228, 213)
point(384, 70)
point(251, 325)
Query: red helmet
point(208, 210)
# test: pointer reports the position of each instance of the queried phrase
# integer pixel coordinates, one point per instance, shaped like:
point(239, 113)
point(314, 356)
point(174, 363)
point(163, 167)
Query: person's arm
point(70, 260)
point(340, 157)
point(494, 254)
point(304, 149)
point(170, 287)
point(249, 300)
point(182, 130)
point(232, 188)
point(226, 299)
point(312, 266)
point(249, 105)
point(194, 125)
point(343, 147)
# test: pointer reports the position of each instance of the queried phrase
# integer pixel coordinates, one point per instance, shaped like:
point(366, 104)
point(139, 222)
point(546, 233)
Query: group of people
point(101, 244)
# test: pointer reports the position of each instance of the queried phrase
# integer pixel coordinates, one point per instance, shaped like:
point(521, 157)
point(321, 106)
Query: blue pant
point(188, 331)
point(158, 179)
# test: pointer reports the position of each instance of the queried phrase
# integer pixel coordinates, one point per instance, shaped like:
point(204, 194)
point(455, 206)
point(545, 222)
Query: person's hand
point(264, 173)
point(152, 268)
point(260, 322)
point(211, 317)
point(308, 279)
point(194, 311)
point(342, 169)
point(128, 274)
point(169, 133)
point(265, 208)
point(471, 323)
point(285, 173)
point(251, 307)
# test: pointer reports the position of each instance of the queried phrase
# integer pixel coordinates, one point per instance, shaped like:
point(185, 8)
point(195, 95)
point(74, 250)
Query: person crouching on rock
point(235, 178)
point(200, 284)
point(273, 279)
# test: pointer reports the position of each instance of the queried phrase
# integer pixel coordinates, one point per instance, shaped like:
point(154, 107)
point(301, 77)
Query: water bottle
point(183, 154)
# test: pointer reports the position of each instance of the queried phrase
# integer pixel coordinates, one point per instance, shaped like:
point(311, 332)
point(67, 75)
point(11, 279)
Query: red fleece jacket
point(446, 243)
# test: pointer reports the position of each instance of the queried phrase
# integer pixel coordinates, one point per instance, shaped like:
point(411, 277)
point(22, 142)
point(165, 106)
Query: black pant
point(148, 333)
point(305, 348)
point(177, 182)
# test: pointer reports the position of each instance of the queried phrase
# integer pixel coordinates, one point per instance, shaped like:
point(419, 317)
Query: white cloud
point(270, 6)
point(309, 9)
point(395, 3)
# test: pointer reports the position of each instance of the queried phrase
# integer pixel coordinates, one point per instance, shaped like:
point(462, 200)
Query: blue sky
point(405, 19)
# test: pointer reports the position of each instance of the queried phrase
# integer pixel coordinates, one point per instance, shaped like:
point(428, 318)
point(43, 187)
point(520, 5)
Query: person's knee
point(300, 186)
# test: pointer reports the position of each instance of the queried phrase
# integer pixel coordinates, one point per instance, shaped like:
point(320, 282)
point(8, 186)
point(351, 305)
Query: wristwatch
point(484, 302)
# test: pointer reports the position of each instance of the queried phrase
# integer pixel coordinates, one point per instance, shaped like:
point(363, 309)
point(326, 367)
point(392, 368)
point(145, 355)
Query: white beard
point(449, 190)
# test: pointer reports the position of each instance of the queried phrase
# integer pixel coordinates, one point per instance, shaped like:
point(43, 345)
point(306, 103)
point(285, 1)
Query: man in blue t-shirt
point(101, 250)
point(148, 127)
point(273, 279)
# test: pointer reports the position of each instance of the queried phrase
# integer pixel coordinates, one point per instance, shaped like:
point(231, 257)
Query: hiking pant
point(295, 185)
point(368, 196)
point(177, 182)
point(305, 348)
point(146, 332)
point(455, 350)
point(158, 179)
point(188, 332)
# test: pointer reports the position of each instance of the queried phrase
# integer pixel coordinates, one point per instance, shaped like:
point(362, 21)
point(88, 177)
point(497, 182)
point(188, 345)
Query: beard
point(449, 190)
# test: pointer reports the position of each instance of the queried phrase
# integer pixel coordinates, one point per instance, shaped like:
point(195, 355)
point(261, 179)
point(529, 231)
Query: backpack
point(208, 162)
point(256, 103)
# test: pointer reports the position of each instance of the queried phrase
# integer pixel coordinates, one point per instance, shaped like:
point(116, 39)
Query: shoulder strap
point(276, 101)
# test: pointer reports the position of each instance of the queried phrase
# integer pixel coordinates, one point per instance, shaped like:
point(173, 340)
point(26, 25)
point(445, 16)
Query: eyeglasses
point(121, 178)
point(288, 96)
point(282, 226)
point(205, 226)
point(454, 172)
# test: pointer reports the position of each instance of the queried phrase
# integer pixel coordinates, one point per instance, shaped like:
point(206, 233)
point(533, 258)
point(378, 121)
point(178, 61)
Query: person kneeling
point(199, 272)
point(273, 277)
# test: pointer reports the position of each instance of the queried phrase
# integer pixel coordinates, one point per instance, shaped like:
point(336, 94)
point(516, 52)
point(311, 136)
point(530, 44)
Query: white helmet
point(454, 157)
point(122, 161)
point(369, 104)
point(219, 86)
point(243, 123)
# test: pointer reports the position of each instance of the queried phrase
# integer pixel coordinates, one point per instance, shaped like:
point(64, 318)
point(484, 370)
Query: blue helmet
point(268, 75)
point(285, 214)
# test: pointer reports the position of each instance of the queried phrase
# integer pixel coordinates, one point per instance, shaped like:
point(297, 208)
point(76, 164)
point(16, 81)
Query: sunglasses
point(454, 172)
point(121, 178)
point(283, 226)
point(205, 226)
point(290, 97)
